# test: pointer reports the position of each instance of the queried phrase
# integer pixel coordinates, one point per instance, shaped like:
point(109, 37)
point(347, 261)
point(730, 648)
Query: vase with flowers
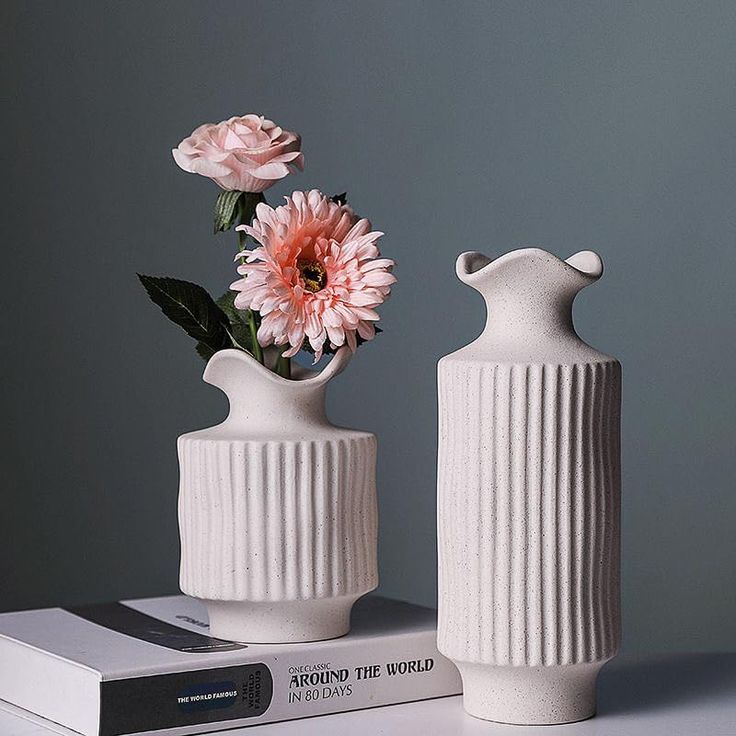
point(277, 506)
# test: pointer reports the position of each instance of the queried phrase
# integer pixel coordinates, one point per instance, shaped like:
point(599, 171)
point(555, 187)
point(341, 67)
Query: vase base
point(530, 696)
point(280, 622)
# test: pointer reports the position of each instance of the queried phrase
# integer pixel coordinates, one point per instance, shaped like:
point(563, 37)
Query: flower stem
point(283, 365)
point(251, 317)
point(242, 237)
point(252, 321)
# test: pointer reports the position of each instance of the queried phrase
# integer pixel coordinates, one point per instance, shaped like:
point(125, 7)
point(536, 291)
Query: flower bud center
point(313, 274)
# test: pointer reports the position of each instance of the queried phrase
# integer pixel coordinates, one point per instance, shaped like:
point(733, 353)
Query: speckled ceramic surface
point(529, 495)
point(277, 507)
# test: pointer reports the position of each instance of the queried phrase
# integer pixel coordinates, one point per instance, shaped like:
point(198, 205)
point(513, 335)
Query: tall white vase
point(529, 495)
point(277, 507)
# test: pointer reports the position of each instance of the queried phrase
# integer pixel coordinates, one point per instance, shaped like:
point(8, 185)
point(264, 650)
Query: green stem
point(283, 365)
point(251, 318)
point(242, 238)
point(252, 322)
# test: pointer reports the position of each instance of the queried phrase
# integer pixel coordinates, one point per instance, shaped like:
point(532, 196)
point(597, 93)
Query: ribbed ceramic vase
point(529, 495)
point(277, 507)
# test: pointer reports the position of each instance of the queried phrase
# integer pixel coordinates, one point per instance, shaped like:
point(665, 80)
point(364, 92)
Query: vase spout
point(259, 397)
point(588, 263)
point(513, 269)
point(469, 267)
point(528, 289)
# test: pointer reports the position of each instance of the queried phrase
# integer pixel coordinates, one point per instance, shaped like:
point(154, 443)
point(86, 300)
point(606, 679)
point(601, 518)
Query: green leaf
point(192, 308)
point(235, 208)
point(340, 198)
point(226, 210)
point(239, 331)
point(204, 351)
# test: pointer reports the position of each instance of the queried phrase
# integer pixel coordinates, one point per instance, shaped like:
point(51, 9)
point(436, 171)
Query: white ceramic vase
point(277, 507)
point(529, 495)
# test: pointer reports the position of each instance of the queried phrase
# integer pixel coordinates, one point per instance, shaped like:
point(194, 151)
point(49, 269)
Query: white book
point(150, 666)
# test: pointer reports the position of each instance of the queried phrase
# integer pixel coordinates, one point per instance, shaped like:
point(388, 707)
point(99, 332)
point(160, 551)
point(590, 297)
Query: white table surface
point(668, 695)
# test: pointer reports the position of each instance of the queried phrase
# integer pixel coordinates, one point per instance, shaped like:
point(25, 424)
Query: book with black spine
point(149, 665)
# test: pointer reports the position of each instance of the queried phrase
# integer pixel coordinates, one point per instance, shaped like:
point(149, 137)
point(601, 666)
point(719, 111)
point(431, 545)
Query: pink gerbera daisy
point(317, 274)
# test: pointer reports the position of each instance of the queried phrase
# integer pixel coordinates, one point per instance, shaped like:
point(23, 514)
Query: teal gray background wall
point(454, 126)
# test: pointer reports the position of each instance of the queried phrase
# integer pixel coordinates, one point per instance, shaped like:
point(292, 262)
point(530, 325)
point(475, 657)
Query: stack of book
point(150, 665)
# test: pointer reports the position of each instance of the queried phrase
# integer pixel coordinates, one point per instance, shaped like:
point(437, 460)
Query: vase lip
point(472, 266)
point(312, 378)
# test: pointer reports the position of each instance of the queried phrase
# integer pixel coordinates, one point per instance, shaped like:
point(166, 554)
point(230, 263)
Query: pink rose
point(247, 154)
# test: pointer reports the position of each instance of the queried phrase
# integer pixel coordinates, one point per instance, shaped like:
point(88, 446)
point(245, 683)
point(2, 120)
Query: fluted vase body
point(277, 507)
point(529, 496)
